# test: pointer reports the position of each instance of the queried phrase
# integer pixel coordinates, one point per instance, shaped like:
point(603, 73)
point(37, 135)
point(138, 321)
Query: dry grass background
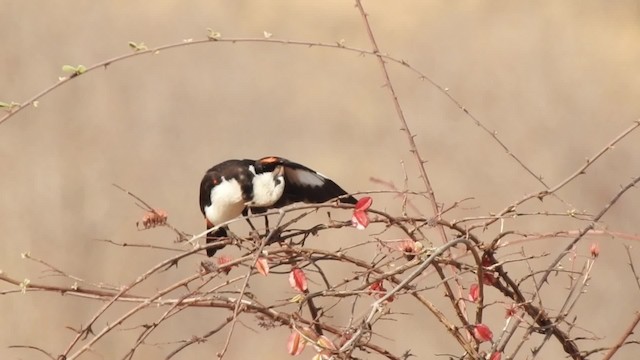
point(557, 80)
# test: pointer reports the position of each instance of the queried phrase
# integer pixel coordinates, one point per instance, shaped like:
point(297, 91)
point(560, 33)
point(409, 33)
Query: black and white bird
point(232, 187)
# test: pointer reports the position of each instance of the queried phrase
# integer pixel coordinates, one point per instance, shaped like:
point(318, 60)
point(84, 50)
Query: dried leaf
point(295, 344)
point(152, 219)
point(262, 266)
point(325, 343)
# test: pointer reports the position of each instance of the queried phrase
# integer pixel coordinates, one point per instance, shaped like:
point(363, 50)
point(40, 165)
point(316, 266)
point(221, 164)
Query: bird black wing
point(303, 184)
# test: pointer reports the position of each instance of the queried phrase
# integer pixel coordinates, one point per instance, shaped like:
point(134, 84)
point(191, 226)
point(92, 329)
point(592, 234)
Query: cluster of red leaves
point(152, 219)
point(378, 291)
point(360, 218)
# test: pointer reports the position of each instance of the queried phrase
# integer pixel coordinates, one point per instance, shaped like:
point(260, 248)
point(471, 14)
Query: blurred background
point(556, 80)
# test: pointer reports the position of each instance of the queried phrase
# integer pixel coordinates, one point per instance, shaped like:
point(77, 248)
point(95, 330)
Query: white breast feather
point(226, 202)
point(265, 190)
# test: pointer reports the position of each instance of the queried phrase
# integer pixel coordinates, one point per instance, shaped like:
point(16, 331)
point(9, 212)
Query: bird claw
point(273, 236)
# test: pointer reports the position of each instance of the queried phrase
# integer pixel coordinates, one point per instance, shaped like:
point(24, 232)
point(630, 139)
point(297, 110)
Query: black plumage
point(229, 189)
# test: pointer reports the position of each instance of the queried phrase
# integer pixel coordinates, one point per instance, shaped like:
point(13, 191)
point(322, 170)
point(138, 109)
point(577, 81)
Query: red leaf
point(222, 260)
point(262, 266)
point(482, 333)
point(496, 356)
point(376, 286)
point(360, 219)
point(487, 261)
point(474, 292)
point(378, 291)
point(595, 250)
point(298, 280)
point(295, 344)
point(364, 204)
point(488, 278)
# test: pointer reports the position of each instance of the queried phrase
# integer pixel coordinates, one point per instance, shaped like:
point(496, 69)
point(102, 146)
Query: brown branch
point(584, 231)
point(633, 268)
point(181, 234)
point(32, 348)
point(541, 194)
point(405, 127)
point(590, 161)
point(624, 337)
point(256, 257)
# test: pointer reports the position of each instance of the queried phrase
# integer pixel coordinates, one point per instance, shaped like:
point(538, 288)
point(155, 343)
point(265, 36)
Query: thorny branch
point(405, 269)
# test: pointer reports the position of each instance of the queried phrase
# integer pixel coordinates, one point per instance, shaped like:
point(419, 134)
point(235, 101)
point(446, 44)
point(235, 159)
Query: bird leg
point(274, 237)
point(266, 225)
point(245, 213)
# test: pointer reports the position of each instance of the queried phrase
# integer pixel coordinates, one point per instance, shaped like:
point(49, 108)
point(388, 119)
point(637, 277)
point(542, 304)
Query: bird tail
point(215, 236)
point(348, 200)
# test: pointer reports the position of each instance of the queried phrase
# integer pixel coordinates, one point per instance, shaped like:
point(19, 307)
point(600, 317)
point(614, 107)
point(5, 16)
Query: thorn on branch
point(542, 194)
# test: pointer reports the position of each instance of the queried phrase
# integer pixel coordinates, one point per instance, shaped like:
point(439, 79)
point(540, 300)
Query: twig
point(32, 348)
point(541, 194)
point(624, 337)
point(590, 161)
point(633, 268)
point(584, 231)
point(405, 127)
point(256, 257)
point(181, 234)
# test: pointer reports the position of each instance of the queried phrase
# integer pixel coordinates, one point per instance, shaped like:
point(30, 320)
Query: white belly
point(226, 202)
